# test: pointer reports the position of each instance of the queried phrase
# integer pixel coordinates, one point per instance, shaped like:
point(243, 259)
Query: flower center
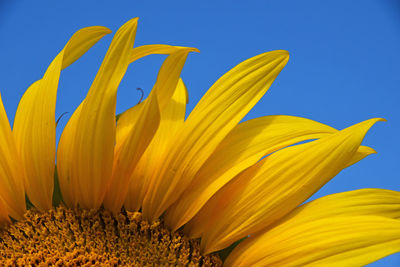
point(75, 237)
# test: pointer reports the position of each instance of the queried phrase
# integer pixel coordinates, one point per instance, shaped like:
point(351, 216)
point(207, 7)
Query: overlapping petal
point(65, 160)
point(371, 201)
point(145, 50)
point(12, 192)
point(87, 143)
point(207, 172)
point(244, 146)
point(34, 123)
point(327, 232)
point(247, 143)
point(338, 241)
point(172, 118)
point(217, 113)
point(128, 119)
point(273, 187)
point(362, 152)
point(130, 150)
point(128, 154)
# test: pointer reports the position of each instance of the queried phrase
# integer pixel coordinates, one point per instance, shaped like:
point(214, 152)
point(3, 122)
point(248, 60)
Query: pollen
point(65, 237)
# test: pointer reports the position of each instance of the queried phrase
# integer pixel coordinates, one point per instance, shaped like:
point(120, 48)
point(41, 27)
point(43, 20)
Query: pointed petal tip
point(377, 119)
point(132, 22)
point(367, 123)
point(372, 121)
point(189, 49)
point(193, 49)
point(282, 53)
point(285, 55)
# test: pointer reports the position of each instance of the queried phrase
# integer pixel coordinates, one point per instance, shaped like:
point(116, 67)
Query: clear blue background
point(344, 65)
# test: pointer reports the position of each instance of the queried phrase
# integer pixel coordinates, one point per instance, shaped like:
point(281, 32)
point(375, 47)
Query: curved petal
point(362, 152)
point(332, 241)
point(217, 113)
point(145, 50)
point(132, 148)
point(172, 118)
point(246, 144)
point(126, 121)
point(12, 192)
point(128, 118)
point(88, 143)
point(273, 187)
point(34, 125)
point(129, 153)
point(243, 147)
point(65, 159)
point(379, 202)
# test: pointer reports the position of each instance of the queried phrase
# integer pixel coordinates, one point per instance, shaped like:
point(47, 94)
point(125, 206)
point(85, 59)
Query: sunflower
point(149, 187)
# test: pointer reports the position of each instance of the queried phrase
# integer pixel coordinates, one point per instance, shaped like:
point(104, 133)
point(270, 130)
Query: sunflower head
point(154, 186)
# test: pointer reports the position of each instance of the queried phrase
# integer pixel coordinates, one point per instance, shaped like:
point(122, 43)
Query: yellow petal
point(362, 152)
point(172, 118)
point(4, 219)
point(244, 146)
point(128, 154)
point(65, 159)
point(333, 241)
point(125, 124)
point(11, 176)
point(34, 124)
point(145, 50)
point(89, 145)
point(81, 42)
point(128, 118)
point(126, 121)
point(378, 202)
point(170, 73)
point(267, 191)
point(217, 113)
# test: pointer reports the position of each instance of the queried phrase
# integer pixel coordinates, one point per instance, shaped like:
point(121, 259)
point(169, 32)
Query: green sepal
point(224, 253)
point(117, 117)
point(57, 196)
point(29, 204)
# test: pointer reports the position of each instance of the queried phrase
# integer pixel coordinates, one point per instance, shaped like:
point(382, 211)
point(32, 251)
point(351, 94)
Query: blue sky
point(344, 65)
